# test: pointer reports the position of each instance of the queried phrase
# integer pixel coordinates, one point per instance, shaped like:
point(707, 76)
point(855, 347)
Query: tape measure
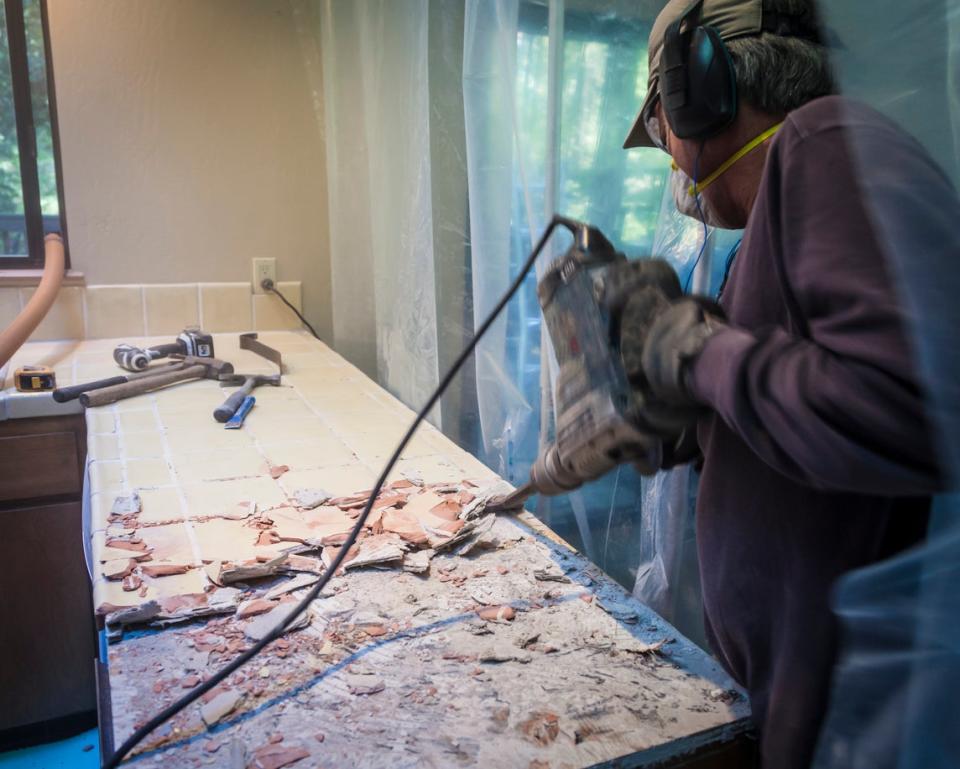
point(34, 379)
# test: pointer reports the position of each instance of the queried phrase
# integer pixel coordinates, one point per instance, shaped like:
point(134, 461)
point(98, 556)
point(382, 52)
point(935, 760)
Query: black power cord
point(268, 285)
point(246, 656)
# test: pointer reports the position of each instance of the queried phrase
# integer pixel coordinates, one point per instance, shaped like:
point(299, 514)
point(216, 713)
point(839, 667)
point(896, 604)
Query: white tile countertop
point(328, 424)
point(452, 636)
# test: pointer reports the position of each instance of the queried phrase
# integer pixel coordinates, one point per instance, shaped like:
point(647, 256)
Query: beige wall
point(192, 141)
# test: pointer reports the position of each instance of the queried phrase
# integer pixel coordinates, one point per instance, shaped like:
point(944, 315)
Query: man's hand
point(637, 295)
point(676, 337)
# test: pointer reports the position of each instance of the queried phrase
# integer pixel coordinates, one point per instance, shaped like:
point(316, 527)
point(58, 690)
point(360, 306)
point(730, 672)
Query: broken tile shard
point(635, 646)
point(267, 537)
point(364, 683)
point(229, 572)
point(258, 628)
point(297, 582)
point(181, 608)
point(126, 505)
point(404, 525)
point(277, 756)
point(221, 705)
point(137, 546)
point(118, 570)
point(500, 614)
point(254, 607)
point(131, 582)
point(353, 502)
point(164, 569)
point(452, 527)
point(471, 529)
point(417, 562)
point(308, 499)
point(277, 470)
point(449, 509)
point(296, 562)
point(550, 573)
point(484, 496)
point(542, 727)
point(117, 619)
point(377, 550)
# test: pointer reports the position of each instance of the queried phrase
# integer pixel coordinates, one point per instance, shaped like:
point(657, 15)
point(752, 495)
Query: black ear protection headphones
point(698, 88)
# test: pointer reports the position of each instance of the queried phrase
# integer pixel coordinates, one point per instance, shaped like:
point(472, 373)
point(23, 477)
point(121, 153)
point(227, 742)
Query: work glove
point(637, 294)
point(676, 337)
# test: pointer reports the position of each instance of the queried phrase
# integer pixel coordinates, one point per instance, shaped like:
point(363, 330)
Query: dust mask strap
point(697, 187)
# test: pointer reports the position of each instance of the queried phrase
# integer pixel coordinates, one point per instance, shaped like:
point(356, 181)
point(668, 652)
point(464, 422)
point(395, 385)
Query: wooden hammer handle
point(118, 392)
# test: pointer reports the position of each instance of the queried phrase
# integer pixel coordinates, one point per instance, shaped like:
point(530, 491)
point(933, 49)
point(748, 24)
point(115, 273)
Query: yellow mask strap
point(696, 189)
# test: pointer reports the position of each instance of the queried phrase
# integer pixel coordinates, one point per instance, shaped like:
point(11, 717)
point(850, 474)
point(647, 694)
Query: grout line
point(181, 496)
point(143, 309)
point(83, 310)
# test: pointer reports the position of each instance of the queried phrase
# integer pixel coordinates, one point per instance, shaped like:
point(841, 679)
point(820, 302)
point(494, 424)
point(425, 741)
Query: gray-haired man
point(817, 454)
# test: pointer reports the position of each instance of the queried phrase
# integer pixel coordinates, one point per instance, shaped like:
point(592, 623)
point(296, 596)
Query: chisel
point(236, 421)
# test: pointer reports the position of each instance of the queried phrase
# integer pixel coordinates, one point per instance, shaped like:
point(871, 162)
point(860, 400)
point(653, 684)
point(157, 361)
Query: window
point(603, 83)
point(31, 200)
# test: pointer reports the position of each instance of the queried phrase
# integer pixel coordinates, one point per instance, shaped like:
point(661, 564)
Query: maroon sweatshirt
point(817, 455)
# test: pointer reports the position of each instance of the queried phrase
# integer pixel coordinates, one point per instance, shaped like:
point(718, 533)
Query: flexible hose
point(14, 335)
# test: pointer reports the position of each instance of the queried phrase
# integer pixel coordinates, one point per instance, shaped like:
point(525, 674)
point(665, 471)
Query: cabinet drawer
point(40, 465)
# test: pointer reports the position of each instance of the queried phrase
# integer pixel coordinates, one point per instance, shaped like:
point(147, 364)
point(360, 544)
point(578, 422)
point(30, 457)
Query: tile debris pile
point(408, 525)
point(416, 652)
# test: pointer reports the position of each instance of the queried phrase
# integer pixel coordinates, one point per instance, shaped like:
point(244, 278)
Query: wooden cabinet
point(47, 633)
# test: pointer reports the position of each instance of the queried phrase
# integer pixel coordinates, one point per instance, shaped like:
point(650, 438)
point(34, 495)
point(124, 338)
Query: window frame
point(27, 137)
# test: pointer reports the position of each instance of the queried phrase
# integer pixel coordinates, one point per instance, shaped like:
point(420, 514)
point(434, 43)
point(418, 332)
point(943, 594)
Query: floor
point(80, 752)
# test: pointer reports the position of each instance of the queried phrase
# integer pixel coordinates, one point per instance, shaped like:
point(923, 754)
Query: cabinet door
point(39, 466)
point(41, 459)
point(47, 634)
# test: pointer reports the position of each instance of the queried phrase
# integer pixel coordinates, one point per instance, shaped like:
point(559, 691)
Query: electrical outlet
point(262, 269)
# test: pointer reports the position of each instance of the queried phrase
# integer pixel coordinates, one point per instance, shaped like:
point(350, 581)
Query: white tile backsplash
point(130, 312)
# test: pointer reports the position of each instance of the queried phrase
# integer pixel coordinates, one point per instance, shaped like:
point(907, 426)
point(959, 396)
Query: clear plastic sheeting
point(596, 89)
point(896, 685)
point(668, 573)
point(508, 417)
point(440, 180)
point(894, 701)
point(377, 119)
point(680, 240)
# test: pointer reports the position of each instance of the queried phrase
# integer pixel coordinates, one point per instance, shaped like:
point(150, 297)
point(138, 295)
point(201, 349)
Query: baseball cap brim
point(639, 136)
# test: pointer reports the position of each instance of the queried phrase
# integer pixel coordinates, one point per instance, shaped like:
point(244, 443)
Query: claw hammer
point(229, 407)
point(193, 368)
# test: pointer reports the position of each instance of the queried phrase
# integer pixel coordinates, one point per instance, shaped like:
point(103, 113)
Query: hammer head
point(216, 368)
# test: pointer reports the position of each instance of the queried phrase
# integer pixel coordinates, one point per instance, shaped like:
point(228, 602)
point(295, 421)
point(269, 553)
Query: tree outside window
point(30, 190)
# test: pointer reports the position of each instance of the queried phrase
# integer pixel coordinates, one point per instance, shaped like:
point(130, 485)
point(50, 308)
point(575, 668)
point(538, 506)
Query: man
point(817, 456)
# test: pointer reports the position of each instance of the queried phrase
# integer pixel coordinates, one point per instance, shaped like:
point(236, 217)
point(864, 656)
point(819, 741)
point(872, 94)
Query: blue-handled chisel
point(236, 421)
